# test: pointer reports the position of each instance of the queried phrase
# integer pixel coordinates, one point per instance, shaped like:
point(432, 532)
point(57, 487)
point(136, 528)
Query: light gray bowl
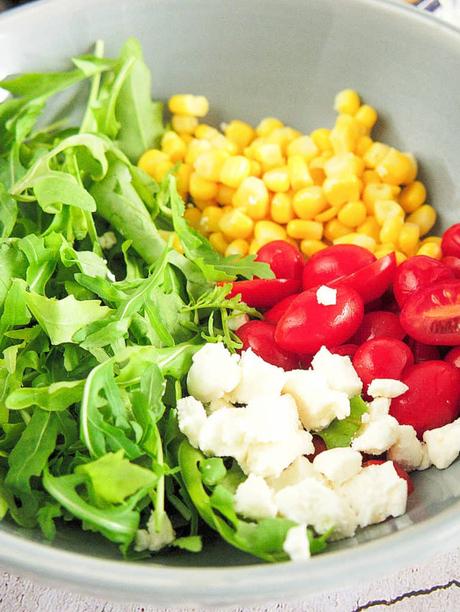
point(254, 58)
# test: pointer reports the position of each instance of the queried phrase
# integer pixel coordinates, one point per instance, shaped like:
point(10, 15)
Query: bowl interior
point(283, 58)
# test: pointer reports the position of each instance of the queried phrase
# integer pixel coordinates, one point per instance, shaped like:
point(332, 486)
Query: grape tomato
point(274, 314)
point(382, 358)
point(416, 273)
point(379, 323)
point(264, 293)
point(283, 258)
point(453, 357)
point(333, 262)
point(450, 244)
point(260, 337)
point(453, 263)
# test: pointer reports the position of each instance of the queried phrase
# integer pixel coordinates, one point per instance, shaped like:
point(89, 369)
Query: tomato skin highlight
point(372, 281)
point(379, 323)
point(450, 244)
point(398, 469)
point(453, 263)
point(382, 358)
point(333, 262)
point(453, 357)
point(274, 314)
point(416, 273)
point(283, 258)
point(433, 397)
point(264, 293)
point(307, 326)
point(423, 352)
point(260, 337)
point(432, 316)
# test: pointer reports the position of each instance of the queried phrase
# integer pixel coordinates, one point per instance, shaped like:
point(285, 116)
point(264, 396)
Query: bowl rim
point(218, 585)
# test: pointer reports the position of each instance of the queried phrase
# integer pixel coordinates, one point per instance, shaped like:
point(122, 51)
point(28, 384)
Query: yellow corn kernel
point(384, 209)
point(367, 116)
point(327, 215)
point(205, 132)
point(391, 228)
point(254, 247)
point(334, 229)
point(173, 146)
point(193, 216)
point(210, 219)
point(282, 136)
point(408, 239)
point(267, 231)
point(218, 242)
point(303, 146)
point(322, 139)
point(309, 202)
point(184, 124)
point(430, 239)
point(316, 169)
point(277, 179)
point(237, 247)
point(252, 198)
point(256, 168)
point(357, 239)
point(400, 257)
point(347, 101)
point(384, 249)
point(430, 249)
point(236, 224)
point(303, 229)
point(370, 176)
point(268, 155)
point(345, 134)
point(343, 165)
point(377, 191)
point(218, 141)
point(310, 247)
point(234, 170)
point(239, 132)
point(395, 168)
point(267, 125)
point(202, 204)
point(363, 144)
point(183, 173)
point(162, 169)
point(225, 195)
point(281, 210)
point(299, 175)
point(352, 214)
point(202, 189)
point(188, 104)
point(187, 138)
point(339, 190)
point(149, 160)
point(375, 154)
point(209, 164)
point(195, 149)
point(412, 196)
point(424, 217)
point(370, 227)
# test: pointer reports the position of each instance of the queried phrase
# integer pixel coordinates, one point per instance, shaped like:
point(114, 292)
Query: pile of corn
point(247, 186)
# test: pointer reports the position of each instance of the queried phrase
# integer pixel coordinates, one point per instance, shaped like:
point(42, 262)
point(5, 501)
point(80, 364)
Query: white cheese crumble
point(191, 416)
point(254, 499)
point(297, 545)
point(407, 451)
point(338, 464)
point(150, 539)
point(325, 296)
point(443, 444)
point(386, 387)
point(258, 379)
point(299, 469)
point(213, 373)
point(376, 436)
point(338, 371)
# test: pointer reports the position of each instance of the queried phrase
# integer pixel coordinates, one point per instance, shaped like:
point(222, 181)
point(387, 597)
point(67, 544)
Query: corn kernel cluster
point(246, 186)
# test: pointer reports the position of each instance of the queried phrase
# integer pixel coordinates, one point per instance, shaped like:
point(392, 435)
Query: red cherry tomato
point(346, 350)
point(450, 244)
point(379, 323)
point(423, 352)
point(264, 293)
point(453, 263)
point(433, 397)
point(418, 272)
point(453, 357)
point(377, 304)
point(432, 315)
point(320, 446)
point(260, 337)
point(307, 325)
point(373, 280)
point(277, 311)
point(398, 469)
point(339, 260)
point(382, 358)
point(283, 258)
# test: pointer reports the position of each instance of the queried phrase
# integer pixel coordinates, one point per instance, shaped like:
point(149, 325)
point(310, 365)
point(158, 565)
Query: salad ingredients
point(326, 296)
point(450, 244)
point(333, 263)
point(381, 357)
point(260, 337)
point(417, 273)
point(442, 444)
point(453, 357)
point(274, 314)
point(261, 293)
point(377, 324)
point(283, 258)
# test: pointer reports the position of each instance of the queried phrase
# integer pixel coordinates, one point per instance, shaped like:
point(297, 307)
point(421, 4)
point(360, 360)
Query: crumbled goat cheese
point(407, 451)
point(191, 417)
point(297, 545)
point(213, 373)
point(426, 463)
point(376, 493)
point(443, 444)
point(258, 379)
point(318, 405)
point(254, 499)
point(376, 436)
point(150, 539)
point(386, 387)
point(325, 296)
point(338, 372)
point(338, 464)
point(299, 469)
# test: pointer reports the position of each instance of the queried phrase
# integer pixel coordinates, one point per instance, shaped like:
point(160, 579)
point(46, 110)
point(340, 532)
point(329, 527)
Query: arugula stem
point(87, 124)
point(159, 501)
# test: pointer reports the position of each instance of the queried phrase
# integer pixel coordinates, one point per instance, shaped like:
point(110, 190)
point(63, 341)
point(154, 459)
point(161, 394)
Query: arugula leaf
point(189, 543)
point(15, 309)
point(46, 516)
point(12, 265)
point(341, 433)
point(58, 396)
